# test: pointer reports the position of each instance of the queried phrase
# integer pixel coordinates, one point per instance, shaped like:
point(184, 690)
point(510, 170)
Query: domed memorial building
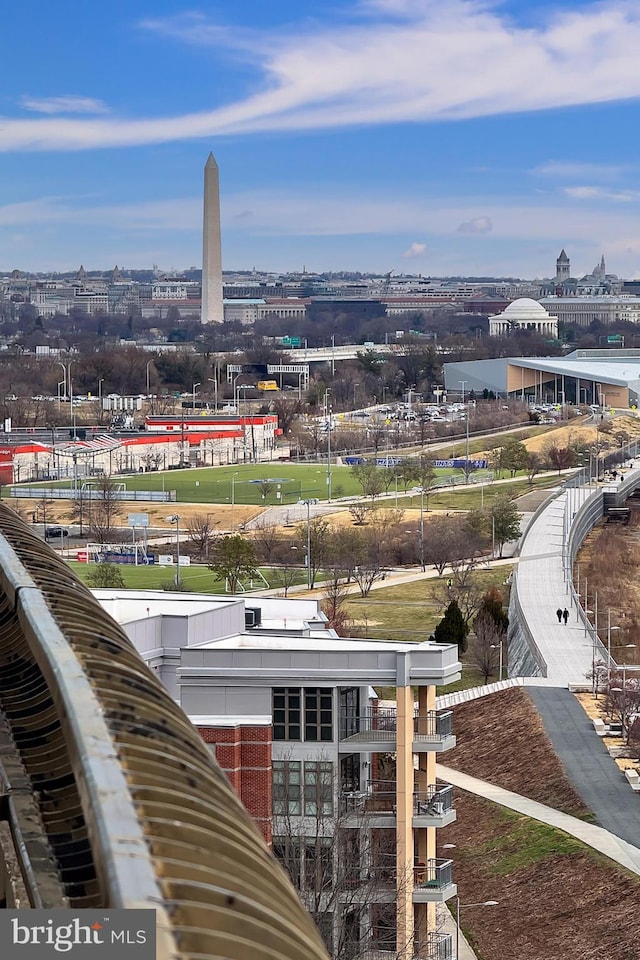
point(524, 314)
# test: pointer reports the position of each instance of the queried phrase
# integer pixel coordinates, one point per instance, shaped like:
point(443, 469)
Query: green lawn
point(410, 612)
point(473, 498)
point(197, 578)
point(243, 482)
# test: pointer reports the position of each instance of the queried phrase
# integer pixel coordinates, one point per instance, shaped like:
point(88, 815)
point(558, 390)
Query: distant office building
point(583, 311)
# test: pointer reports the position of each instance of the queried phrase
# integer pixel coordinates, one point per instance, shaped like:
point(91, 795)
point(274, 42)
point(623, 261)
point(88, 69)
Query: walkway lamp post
point(307, 503)
point(214, 381)
point(175, 518)
point(499, 645)
point(609, 629)
point(464, 906)
point(233, 499)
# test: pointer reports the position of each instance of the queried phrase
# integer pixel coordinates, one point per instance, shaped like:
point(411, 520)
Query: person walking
point(565, 616)
point(559, 614)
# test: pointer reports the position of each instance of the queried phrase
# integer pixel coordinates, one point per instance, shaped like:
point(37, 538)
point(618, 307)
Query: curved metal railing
point(114, 799)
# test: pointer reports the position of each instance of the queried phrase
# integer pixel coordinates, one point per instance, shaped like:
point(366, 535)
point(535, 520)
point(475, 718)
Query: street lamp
point(422, 528)
point(484, 903)
point(149, 362)
point(609, 629)
point(463, 384)
point(308, 506)
point(175, 518)
point(193, 390)
point(493, 647)
point(355, 387)
point(214, 381)
point(233, 498)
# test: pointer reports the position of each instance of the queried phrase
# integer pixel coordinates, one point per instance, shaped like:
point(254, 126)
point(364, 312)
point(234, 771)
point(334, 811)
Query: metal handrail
point(106, 751)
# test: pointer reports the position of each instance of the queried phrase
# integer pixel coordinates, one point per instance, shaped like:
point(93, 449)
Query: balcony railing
point(380, 724)
point(379, 800)
point(434, 874)
point(437, 946)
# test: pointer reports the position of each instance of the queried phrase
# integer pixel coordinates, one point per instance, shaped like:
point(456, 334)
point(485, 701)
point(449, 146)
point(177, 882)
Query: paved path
point(542, 590)
point(596, 837)
point(594, 774)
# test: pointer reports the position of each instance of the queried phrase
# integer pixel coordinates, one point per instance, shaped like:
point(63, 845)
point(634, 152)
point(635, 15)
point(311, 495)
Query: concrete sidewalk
point(595, 837)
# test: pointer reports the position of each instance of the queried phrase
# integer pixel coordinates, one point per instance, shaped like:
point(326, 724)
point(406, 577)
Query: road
point(592, 771)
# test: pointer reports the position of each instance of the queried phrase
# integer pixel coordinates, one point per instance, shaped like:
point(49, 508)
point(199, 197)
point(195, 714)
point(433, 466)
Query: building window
point(287, 713)
point(318, 864)
point(287, 788)
point(318, 788)
point(318, 713)
point(288, 722)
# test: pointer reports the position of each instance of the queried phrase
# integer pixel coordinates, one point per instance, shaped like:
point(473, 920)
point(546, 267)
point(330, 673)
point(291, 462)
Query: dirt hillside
point(556, 898)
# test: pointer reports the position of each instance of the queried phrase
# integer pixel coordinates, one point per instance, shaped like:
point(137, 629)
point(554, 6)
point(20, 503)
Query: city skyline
point(393, 135)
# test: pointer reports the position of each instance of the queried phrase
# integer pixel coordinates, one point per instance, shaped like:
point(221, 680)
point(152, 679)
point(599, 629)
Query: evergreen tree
point(452, 628)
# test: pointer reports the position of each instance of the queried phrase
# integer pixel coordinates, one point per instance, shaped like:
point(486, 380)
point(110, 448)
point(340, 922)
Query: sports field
point(197, 578)
point(264, 484)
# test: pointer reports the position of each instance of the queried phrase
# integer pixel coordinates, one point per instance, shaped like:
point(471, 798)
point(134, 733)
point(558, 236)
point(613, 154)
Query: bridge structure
point(108, 796)
point(566, 654)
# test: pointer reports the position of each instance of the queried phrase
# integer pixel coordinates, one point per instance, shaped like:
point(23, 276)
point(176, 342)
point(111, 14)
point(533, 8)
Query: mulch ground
point(556, 898)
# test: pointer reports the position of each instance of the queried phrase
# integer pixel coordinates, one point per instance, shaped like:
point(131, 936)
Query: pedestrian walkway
point(595, 837)
point(565, 648)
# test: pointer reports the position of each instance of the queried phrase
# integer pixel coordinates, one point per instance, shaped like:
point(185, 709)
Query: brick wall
point(244, 753)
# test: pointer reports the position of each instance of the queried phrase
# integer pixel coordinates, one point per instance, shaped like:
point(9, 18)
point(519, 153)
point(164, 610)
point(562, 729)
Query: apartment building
point(342, 784)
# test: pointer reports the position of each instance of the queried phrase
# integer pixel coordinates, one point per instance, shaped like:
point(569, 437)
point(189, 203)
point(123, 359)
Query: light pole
point(484, 903)
point(308, 505)
point(100, 382)
point(175, 518)
point(493, 647)
point(355, 387)
point(214, 381)
point(463, 384)
point(609, 629)
point(193, 391)
point(149, 362)
point(233, 499)
point(328, 422)
point(422, 528)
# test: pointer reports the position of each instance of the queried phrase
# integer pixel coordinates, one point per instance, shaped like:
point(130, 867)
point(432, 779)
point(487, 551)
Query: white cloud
point(599, 193)
point(476, 225)
point(389, 61)
point(66, 104)
point(563, 170)
point(414, 251)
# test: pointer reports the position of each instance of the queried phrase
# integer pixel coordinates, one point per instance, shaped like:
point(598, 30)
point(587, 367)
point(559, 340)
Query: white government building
point(524, 314)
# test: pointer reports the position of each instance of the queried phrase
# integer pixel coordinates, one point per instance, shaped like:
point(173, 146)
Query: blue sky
point(422, 136)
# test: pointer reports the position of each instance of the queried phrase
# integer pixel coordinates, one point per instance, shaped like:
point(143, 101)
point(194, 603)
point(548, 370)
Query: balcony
point(437, 946)
point(431, 808)
point(374, 731)
point(432, 882)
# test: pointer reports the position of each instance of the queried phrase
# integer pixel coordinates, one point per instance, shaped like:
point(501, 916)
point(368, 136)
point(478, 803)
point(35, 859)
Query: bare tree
point(371, 560)
point(266, 537)
point(622, 701)
point(483, 651)
point(445, 540)
point(201, 533)
point(106, 510)
point(359, 512)
point(336, 861)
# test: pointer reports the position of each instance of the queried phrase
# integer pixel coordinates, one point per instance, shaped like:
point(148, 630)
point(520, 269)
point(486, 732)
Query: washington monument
point(212, 309)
